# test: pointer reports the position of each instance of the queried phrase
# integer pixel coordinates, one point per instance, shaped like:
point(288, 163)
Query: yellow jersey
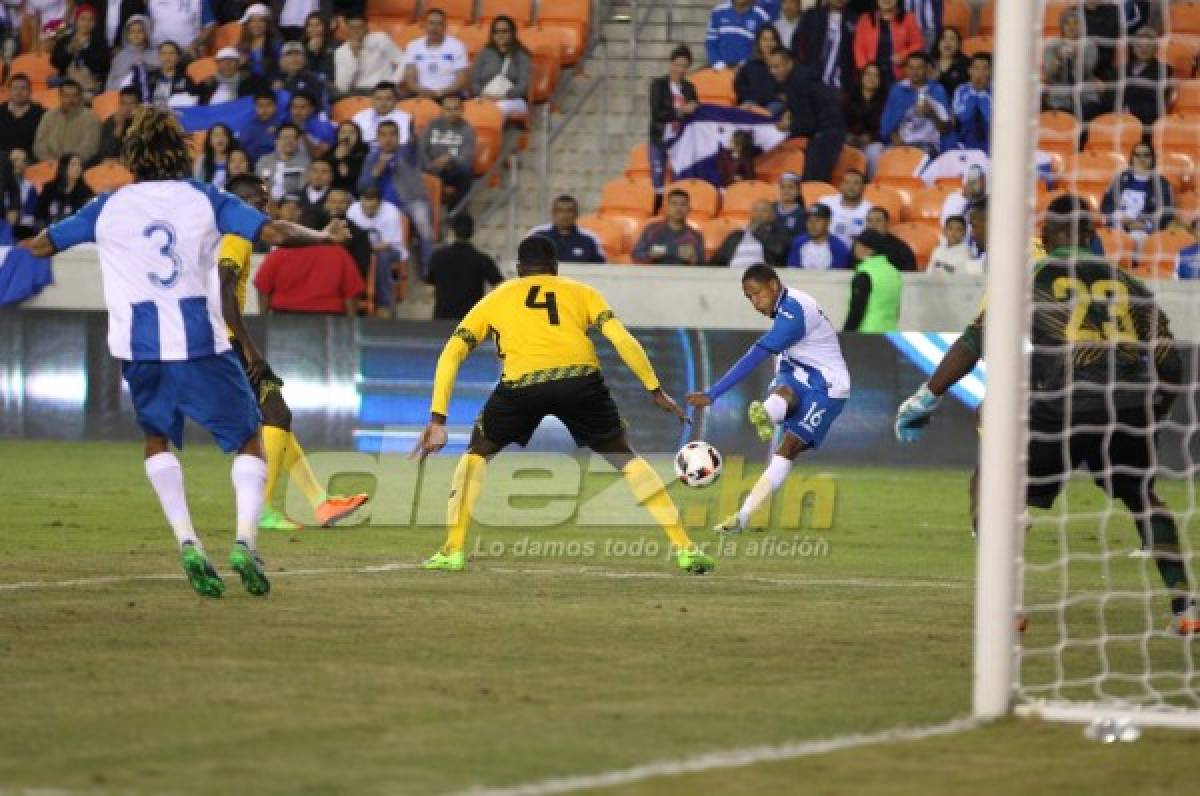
point(235, 253)
point(540, 324)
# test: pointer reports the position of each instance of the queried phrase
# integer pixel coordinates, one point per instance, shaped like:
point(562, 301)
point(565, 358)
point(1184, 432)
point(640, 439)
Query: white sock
point(249, 477)
point(166, 476)
point(771, 479)
point(776, 408)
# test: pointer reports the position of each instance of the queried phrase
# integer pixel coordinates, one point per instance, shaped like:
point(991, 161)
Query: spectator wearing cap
point(310, 279)
point(320, 134)
point(789, 210)
point(283, 170)
point(68, 129)
point(230, 81)
point(188, 23)
point(898, 253)
point(812, 110)
point(260, 42)
point(135, 57)
point(573, 243)
point(448, 148)
point(295, 78)
point(460, 273)
point(19, 116)
point(876, 288)
point(383, 108)
point(384, 224)
point(917, 112)
point(732, 27)
point(503, 69)
point(673, 241)
point(314, 194)
point(815, 248)
point(389, 169)
point(169, 86)
point(257, 136)
point(365, 59)
point(763, 240)
point(81, 53)
point(435, 64)
point(112, 131)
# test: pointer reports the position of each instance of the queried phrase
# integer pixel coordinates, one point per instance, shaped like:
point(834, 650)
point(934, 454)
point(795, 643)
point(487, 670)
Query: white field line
point(729, 758)
point(797, 580)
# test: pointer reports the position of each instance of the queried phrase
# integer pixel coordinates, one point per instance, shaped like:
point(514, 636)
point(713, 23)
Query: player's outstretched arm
point(289, 235)
point(917, 410)
point(634, 357)
point(433, 437)
point(740, 370)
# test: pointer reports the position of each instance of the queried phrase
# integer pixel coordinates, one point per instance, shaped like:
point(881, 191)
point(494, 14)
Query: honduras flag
point(694, 153)
point(926, 349)
point(236, 113)
point(21, 274)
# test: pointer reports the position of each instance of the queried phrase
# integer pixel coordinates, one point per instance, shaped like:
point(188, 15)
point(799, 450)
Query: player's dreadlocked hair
point(155, 146)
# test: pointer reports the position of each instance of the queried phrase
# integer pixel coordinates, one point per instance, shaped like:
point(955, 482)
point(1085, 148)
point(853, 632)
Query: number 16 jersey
point(157, 242)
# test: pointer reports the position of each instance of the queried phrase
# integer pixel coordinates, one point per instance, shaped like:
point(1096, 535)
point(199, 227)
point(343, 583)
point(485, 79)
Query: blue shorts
point(814, 411)
point(212, 391)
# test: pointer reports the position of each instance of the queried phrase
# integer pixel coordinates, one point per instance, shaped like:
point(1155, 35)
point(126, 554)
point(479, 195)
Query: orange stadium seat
point(41, 173)
point(1157, 257)
point(926, 206)
point(611, 234)
point(344, 109)
point(772, 165)
point(455, 10)
point(520, 10)
point(422, 110)
point(976, 44)
point(921, 238)
point(1050, 25)
point(227, 35)
point(706, 202)
point(1187, 207)
point(486, 118)
point(987, 18)
point(715, 231)
point(631, 196)
point(107, 176)
point(1119, 246)
point(957, 15)
point(898, 167)
point(638, 164)
point(629, 221)
point(35, 66)
point(1183, 18)
point(403, 9)
point(1091, 172)
point(1180, 170)
point(474, 38)
point(1187, 100)
point(545, 49)
point(1178, 132)
point(1058, 132)
point(849, 159)
point(741, 196)
point(433, 186)
point(46, 97)
point(888, 198)
point(714, 87)
point(202, 69)
point(1114, 132)
point(1180, 52)
point(403, 35)
point(104, 105)
point(572, 18)
point(814, 191)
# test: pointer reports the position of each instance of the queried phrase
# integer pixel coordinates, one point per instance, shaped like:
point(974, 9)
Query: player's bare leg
point(651, 493)
point(766, 415)
point(166, 476)
point(771, 480)
point(249, 476)
point(465, 489)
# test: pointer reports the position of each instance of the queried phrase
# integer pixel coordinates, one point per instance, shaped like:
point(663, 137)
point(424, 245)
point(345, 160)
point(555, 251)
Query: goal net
point(1081, 606)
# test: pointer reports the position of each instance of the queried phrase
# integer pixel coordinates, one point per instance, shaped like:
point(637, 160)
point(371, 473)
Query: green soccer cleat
point(272, 519)
point(758, 417)
point(250, 568)
point(446, 562)
point(200, 572)
point(730, 524)
point(695, 562)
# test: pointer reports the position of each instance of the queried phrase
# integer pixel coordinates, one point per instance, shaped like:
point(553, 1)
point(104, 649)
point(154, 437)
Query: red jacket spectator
point(906, 39)
point(310, 279)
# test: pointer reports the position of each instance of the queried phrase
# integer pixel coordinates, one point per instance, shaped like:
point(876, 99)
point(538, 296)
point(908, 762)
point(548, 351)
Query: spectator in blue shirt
point(574, 244)
point(1187, 262)
point(1139, 200)
point(817, 250)
point(732, 27)
point(258, 135)
point(320, 134)
point(973, 106)
point(917, 112)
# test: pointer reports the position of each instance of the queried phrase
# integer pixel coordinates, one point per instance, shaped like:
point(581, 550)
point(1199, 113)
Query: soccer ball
point(698, 464)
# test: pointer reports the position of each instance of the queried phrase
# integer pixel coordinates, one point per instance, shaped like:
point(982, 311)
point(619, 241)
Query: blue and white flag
point(236, 113)
point(926, 349)
point(21, 274)
point(694, 153)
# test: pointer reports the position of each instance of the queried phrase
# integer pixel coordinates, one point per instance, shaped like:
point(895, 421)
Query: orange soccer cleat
point(337, 507)
point(1185, 624)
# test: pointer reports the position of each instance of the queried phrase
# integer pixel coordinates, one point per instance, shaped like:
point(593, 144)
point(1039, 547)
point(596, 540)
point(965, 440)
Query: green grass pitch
point(360, 674)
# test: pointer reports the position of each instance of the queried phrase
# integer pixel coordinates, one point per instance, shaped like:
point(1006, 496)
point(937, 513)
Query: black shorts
point(1121, 456)
point(582, 403)
point(266, 383)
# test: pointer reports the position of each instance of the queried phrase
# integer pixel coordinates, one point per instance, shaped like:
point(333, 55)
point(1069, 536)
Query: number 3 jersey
point(157, 242)
point(1100, 341)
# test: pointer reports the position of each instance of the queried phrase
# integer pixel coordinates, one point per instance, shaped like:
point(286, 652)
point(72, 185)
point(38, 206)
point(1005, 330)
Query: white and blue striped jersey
point(807, 344)
point(158, 242)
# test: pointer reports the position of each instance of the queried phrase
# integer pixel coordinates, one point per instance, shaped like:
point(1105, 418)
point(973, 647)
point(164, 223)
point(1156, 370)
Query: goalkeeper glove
point(914, 414)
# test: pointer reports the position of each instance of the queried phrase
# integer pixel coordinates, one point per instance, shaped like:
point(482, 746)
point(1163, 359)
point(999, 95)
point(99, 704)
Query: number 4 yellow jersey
point(540, 324)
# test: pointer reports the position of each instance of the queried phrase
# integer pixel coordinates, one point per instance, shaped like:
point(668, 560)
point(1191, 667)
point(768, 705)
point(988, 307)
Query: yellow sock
point(650, 492)
point(302, 475)
point(464, 491)
point(275, 443)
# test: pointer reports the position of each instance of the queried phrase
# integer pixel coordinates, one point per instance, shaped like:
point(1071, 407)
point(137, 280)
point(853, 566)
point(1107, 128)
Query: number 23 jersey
point(541, 327)
point(157, 242)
